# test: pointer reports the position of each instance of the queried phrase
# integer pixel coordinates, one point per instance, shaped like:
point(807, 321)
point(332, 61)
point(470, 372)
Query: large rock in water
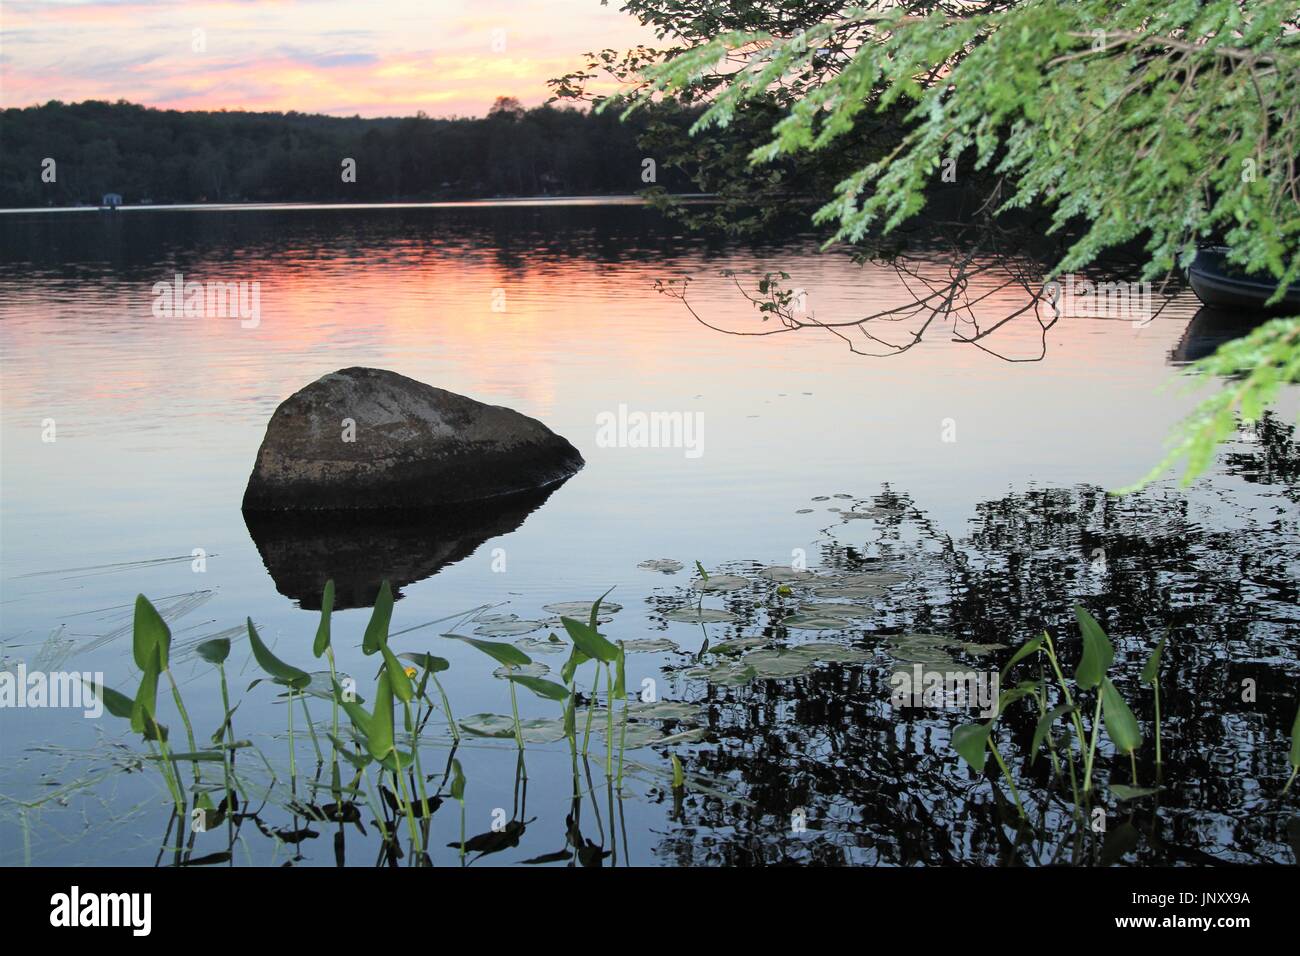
point(413, 447)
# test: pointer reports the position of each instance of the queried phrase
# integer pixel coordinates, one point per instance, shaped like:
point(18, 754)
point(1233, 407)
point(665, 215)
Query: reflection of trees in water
point(884, 789)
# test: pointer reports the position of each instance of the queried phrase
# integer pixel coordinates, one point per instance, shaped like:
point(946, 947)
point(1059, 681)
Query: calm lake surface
point(805, 450)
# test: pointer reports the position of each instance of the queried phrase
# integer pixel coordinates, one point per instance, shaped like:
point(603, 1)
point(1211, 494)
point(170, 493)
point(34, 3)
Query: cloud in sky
point(343, 57)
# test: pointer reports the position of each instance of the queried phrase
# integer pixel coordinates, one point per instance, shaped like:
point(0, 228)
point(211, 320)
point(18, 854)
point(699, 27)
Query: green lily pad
point(664, 565)
point(814, 622)
point(777, 662)
point(786, 575)
point(664, 710)
point(649, 645)
point(980, 650)
point(541, 645)
point(833, 653)
point(739, 645)
point(874, 578)
point(849, 592)
point(1124, 792)
point(922, 648)
point(507, 628)
point(535, 669)
point(720, 583)
point(581, 610)
point(831, 609)
point(705, 615)
point(725, 674)
point(536, 730)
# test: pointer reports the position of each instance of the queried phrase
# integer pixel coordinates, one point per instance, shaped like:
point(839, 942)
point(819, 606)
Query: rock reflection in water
point(359, 550)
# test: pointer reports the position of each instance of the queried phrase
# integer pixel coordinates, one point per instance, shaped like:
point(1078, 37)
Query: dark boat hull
point(1223, 287)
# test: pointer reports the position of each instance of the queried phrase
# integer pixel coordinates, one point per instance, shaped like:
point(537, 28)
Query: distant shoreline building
point(111, 200)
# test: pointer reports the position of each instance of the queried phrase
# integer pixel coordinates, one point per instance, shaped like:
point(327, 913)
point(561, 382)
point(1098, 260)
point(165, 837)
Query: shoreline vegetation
point(72, 154)
point(600, 199)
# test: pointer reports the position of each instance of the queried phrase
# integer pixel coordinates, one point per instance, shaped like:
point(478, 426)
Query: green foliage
point(1255, 368)
point(381, 615)
point(214, 651)
point(233, 155)
point(283, 673)
point(1144, 120)
point(149, 633)
point(1098, 653)
point(506, 654)
point(1121, 725)
point(322, 642)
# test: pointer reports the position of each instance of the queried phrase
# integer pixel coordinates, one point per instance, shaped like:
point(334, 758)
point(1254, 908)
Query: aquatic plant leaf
point(832, 609)
point(115, 702)
point(829, 652)
point(501, 653)
point(587, 640)
point(1029, 647)
point(283, 673)
point(432, 664)
point(1121, 725)
point(380, 617)
point(720, 583)
point(724, 674)
point(1123, 792)
point(536, 730)
point(397, 676)
point(664, 710)
point(322, 641)
point(457, 781)
point(980, 650)
point(576, 660)
point(541, 687)
point(664, 565)
point(1151, 670)
point(508, 628)
point(785, 575)
point(814, 622)
point(1098, 654)
point(739, 645)
point(1044, 727)
point(1119, 842)
point(679, 776)
point(146, 695)
point(1294, 757)
point(848, 592)
point(581, 608)
point(649, 645)
point(691, 615)
point(380, 740)
point(149, 631)
point(358, 760)
point(595, 609)
point(541, 645)
point(971, 743)
point(875, 578)
point(1008, 697)
point(214, 651)
point(778, 662)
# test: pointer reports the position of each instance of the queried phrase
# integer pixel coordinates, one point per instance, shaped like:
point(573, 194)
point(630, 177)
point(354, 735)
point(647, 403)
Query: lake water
point(979, 481)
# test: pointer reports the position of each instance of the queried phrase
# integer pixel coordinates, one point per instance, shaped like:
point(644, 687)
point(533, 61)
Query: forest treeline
point(168, 156)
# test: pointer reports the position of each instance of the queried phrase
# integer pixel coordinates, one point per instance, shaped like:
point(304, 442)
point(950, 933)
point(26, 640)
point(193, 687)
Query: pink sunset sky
point(341, 57)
